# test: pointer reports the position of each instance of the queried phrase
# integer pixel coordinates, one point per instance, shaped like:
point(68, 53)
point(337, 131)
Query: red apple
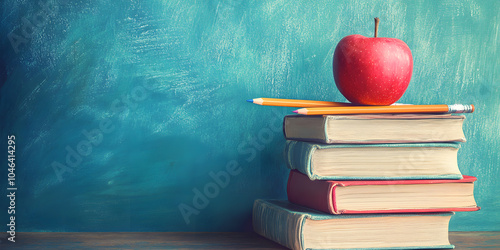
point(372, 70)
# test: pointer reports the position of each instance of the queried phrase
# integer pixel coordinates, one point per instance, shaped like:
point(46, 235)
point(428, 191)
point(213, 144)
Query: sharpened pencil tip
point(250, 100)
point(295, 111)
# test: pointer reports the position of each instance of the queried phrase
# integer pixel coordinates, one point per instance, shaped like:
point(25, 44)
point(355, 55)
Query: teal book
point(410, 161)
point(300, 228)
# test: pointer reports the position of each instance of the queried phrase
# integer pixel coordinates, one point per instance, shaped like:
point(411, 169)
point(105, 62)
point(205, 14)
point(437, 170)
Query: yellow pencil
point(397, 109)
point(296, 103)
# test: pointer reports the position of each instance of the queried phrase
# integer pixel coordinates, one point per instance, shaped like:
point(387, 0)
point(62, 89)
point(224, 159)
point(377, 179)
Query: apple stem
point(377, 21)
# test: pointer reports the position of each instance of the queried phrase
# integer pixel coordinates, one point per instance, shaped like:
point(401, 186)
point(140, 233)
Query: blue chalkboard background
point(129, 114)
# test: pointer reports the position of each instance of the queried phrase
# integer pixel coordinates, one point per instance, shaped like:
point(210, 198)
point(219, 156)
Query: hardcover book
point(401, 196)
point(383, 128)
point(374, 161)
point(298, 227)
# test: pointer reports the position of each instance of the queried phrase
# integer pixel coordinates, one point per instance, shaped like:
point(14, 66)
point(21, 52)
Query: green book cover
point(404, 161)
point(285, 223)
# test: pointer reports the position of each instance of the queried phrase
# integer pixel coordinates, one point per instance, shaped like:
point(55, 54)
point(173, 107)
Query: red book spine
point(318, 195)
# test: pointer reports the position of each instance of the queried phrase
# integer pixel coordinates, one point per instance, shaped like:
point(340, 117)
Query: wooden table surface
point(155, 240)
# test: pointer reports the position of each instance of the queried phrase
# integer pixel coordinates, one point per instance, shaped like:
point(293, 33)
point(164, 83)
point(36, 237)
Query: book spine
point(298, 157)
point(318, 136)
point(317, 194)
point(325, 128)
point(284, 126)
point(277, 224)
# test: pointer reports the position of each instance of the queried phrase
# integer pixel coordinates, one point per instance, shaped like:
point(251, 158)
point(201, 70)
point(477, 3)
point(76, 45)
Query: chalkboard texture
point(132, 115)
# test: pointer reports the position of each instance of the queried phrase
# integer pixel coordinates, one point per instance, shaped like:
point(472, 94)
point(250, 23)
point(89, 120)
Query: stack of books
point(369, 182)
